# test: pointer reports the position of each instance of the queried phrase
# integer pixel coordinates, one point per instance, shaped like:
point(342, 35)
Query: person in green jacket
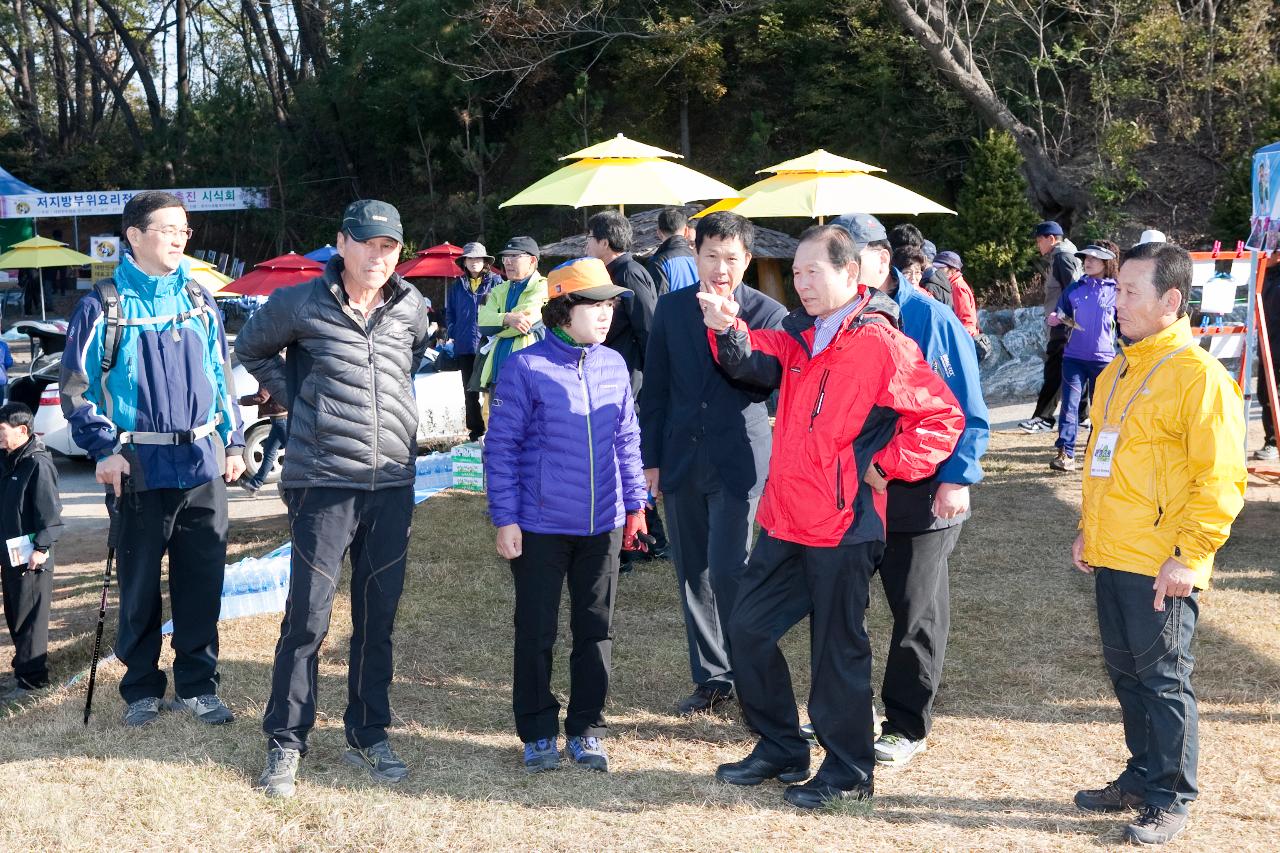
point(511, 316)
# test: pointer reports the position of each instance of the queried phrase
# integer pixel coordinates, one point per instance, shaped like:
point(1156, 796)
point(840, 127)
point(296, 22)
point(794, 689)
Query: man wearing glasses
point(147, 392)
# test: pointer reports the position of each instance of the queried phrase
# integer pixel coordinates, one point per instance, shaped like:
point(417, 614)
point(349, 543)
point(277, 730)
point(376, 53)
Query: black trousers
point(1271, 308)
point(590, 564)
point(914, 574)
point(191, 525)
point(325, 523)
point(475, 414)
point(710, 539)
point(785, 582)
point(26, 611)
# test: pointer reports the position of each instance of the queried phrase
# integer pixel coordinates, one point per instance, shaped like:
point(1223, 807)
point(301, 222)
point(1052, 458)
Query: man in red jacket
point(858, 407)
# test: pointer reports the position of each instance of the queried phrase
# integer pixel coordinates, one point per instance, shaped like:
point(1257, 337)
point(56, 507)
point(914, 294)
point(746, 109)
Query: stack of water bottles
point(434, 472)
point(256, 585)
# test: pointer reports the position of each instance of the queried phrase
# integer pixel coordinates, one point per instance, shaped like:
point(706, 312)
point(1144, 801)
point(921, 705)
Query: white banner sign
point(111, 202)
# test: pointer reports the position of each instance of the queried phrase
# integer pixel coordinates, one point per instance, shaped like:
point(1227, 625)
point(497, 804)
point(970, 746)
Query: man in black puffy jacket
point(353, 337)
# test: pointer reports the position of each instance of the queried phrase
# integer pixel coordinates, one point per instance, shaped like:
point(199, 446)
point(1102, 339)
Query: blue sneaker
point(542, 755)
point(589, 753)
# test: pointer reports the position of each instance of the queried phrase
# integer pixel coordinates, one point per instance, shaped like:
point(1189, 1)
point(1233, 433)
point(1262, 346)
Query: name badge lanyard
point(1109, 436)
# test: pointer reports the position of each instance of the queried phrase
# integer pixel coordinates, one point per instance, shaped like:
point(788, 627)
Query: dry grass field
point(1025, 718)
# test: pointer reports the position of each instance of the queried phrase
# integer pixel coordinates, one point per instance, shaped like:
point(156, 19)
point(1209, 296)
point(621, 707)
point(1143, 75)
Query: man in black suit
point(705, 441)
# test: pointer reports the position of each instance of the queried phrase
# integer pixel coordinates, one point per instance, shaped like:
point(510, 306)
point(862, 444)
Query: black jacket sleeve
point(644, 301)
point(46, 509)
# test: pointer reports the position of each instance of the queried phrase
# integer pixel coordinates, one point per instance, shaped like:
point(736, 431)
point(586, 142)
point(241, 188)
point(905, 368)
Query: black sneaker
point(1155, 826)
point(381, 762)
point(142, 711)
point(1034, 425)
point(207, 709)
point(703, 699)
point(816, 794)
point(1108, 799)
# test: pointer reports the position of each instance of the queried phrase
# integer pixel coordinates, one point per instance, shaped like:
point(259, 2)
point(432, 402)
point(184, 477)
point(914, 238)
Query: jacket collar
point(798, 321)
point(130, 276)
point(33, 446)
point(906, 290)
point(1160, 344)
point(618, 262)
point(392, 291)
point(674, 242)
point(566, 354)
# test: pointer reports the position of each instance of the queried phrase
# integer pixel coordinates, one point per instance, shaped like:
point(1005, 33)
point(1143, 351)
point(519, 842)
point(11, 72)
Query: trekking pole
point(113, 537)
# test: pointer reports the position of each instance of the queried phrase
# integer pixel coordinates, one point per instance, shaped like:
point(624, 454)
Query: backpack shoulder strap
point(109, 296)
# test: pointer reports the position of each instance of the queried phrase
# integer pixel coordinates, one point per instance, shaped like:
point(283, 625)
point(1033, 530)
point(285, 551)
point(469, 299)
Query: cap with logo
point(473, 250)
point(862, 227)
point(520, 246)
point(583, 277)
point(1093, 250)
point(369, 218)
point(1048, 228)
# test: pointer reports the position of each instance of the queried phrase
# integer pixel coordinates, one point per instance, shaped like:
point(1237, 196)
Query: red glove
point(635, 536)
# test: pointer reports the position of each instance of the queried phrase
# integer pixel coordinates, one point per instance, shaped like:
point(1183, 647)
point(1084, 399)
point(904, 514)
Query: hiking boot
point(381, 762)
point(588, 753)
point(1155, 826)
point(1109, 799)
point(142, 711)
point(207, 709)
point(15, 692)
point(542, 755)
point(897, 749)
point(1034, 425)
point(815, 794)
point(281, 773)
point(703, 699)
point(753, 770)
point(1266, 453)
point(1063, 462)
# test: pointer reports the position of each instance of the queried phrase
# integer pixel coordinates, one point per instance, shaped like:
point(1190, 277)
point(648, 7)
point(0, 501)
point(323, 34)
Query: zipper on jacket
point(817, 404)
point(377, 418)
point(1159, 515)
point(591, 444)
point(839, 486)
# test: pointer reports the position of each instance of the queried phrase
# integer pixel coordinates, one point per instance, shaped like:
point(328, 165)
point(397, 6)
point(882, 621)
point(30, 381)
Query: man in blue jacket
point(461, 310)
point(148, 394)
point(923, 518)
point(705, 441)
point(672, 265)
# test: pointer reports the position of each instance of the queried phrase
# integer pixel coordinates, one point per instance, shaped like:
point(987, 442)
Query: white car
point(441, 408)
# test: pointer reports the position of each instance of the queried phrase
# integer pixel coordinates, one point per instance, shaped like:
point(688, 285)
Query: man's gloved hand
point(635, 536)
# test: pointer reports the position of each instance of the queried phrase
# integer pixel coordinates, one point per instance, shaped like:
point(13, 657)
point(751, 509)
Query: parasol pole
point(42, 316)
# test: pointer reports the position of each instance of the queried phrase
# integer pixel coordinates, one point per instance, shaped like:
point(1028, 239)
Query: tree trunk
point(141, 57)
point(312, 16)
point(270, 70)
point(182, 69)
point(685, 148)
point(1050, 191)
point(25, 99)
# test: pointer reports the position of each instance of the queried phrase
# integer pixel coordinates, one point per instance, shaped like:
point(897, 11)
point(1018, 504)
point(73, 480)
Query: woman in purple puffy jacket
point(566, 491)
point(1088, 309)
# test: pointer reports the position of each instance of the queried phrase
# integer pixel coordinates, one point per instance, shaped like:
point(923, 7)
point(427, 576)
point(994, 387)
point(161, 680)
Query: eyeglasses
point(172, 231)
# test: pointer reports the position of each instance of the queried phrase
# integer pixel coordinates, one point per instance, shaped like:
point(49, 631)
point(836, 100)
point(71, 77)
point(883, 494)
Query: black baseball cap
point(520, 246)
point(369, 218)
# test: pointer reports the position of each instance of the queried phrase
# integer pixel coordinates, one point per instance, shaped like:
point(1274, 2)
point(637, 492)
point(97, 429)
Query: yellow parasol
point(207, 275)
point(822, 184)
point(621, 171)
point(41, 252)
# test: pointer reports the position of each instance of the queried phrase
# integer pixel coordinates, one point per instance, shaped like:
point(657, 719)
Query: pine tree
point(992, 232)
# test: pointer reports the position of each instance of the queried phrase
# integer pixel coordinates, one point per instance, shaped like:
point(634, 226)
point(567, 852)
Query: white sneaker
point(1034, 425)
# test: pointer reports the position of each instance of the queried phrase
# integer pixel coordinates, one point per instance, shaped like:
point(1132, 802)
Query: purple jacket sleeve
point(635, 495)
point(510, 421)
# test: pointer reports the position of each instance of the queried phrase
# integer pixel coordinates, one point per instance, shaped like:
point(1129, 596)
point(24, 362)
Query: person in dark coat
point(706, 442)
point(28, 507)
point(609, 238)
point(672, 264)
point(270, 408)
point(461, 311)
point(566, 490)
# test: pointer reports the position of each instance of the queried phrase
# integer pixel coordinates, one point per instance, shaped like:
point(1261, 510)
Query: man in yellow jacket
point(1164, 477)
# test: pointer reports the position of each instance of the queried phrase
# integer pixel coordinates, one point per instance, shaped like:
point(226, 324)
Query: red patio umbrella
point(283, 271)
point(436, 262)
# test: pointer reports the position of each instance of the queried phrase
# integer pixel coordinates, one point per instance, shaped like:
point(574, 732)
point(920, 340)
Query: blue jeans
point(1148, 656)
point(1075, 374)
point(270, 449)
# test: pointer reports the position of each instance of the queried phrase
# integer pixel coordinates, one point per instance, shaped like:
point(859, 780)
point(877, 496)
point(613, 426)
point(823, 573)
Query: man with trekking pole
point(148, 394)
